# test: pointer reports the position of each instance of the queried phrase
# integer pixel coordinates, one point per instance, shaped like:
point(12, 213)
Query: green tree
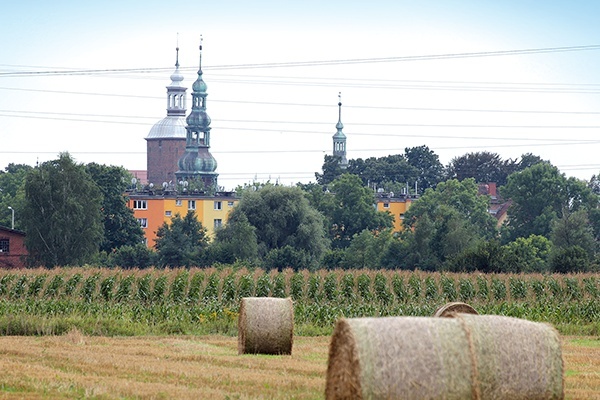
point(282, 216)
point(236, 241)
point(182, 243)
point(352, 210)
point(574, 229)
point(530, 254)
point(12, 180)
point(377, 171)
point(331, 170)
point(62, 213)
point(370, 250)
point(429, 169)
point(539, 195)
point(120, 226)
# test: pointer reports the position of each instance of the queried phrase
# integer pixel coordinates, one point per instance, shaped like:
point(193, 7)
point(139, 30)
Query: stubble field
point(200, 367)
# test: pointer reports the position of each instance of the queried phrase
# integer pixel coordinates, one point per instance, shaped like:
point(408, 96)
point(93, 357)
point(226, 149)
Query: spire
point(175, 91)
point(339, 139)
point(197, 163)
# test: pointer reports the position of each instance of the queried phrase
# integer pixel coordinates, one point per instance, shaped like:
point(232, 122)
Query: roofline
point(6, 229)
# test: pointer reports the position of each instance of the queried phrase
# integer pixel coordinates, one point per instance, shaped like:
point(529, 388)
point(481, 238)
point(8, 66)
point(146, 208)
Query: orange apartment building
point(152, 210)
point(396, 205)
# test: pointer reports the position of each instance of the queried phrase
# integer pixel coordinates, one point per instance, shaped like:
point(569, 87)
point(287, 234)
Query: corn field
point(201, 301)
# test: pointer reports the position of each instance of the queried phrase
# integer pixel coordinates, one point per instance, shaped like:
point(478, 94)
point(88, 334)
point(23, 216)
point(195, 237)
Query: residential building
point(397, 205)
point(153, 209)
point(13, 253)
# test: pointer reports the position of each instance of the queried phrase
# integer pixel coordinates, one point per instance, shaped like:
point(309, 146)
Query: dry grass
point(206, 367)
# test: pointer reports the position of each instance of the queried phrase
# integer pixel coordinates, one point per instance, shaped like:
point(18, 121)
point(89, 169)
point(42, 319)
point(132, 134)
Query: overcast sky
point(510, 77)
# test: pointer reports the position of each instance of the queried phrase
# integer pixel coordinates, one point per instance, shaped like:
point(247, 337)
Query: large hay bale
point(456, 307)
point(265, 325)
point(469, 356)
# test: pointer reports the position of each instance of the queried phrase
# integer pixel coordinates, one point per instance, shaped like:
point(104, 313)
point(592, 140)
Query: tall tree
point(352, 210)
point(482, 166)
point(283, 217)
point(182, 243)
point(12, 180)
point(62, 213)
point(120, 226)
point(429, 169)
point(331, 170)
point(236, 241)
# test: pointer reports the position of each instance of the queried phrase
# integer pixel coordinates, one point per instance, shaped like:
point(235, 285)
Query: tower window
point(140, 205)
point(4, 245)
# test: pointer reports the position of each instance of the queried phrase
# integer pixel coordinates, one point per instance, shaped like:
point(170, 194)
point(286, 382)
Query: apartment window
point(4, 245)
point(167, 213)
point(230, 203)
point(143, 222)
point(386, 205)
point(218, 205)
point(140, 205)
point(191, 204)
point(218, 223)
point(178, 202)
point(401, 217)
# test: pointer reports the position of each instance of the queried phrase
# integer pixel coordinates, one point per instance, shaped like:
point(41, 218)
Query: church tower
point(197, 164)
point(339, 139)
point(166, 140)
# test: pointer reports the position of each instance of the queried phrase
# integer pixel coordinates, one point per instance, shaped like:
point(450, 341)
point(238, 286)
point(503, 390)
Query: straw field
point(200, 367)
point(206, 301)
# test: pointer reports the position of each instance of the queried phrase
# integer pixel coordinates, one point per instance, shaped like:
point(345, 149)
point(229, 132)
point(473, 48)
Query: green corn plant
point(483, 291)
point(179, 287)
point(72, 283)
point(159, 289)
point(19, 288)
point(144, 293)
point(572, 289)
point(448, 288)
point(246, 286)
point(518, 288)
point(590, 286)
point(539, 289)
point(399, 288)
point(5, 284)
point(36, 286)
point(228, 291)
point(330, 289)
point(211, 291)
point(498, 289)
point(297, 286)
point(314, 287)
point(195, 288)
point(279, 286)
point(348, 287)
point(415, 286)
point(106, 288)
point(466, 289)
point(363, 284)
point(53, 288)
point(431, 289)
point(124, 289)
point(555, 288)
point(382, 292)
point(89, 288)
point(263, 285)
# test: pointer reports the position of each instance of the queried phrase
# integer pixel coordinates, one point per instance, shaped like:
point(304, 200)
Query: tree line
point(75, 214)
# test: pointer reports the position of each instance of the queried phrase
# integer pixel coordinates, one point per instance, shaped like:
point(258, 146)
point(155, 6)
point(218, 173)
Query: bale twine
point(265, 325)
point(466, 357)
point(449, 309)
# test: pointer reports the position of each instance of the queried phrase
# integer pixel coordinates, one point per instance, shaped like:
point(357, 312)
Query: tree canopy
point(62, 213)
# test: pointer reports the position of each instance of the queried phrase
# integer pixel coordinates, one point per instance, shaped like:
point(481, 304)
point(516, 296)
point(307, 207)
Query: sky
point(509, 77)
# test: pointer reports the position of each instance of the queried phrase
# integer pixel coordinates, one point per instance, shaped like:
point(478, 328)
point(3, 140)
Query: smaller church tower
point(197, 164)
point(339, 139)
point(166, 140)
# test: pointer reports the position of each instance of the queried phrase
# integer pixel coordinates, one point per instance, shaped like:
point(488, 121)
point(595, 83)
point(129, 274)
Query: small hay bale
point(466, 357)
point(265, 325)
point(449, 309)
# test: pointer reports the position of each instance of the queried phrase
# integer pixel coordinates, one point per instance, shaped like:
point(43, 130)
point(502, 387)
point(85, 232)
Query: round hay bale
point(450, 309)
point(265, 326)
point(469, 356)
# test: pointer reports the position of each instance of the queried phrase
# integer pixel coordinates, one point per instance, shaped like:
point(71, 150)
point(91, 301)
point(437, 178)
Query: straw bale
point(265, 325)
point(450, 309)
point(466, 357)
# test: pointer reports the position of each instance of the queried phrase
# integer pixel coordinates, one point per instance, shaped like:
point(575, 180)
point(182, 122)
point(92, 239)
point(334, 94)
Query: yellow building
point(396, 205)
point(152, 210)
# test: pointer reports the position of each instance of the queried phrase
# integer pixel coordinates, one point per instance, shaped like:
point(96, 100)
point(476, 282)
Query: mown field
point(200, 367)
point(109, 302)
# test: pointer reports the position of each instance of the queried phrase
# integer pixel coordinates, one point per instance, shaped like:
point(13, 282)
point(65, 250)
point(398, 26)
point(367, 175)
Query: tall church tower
point(166, 140)
point(197, 164)
point(339, 139)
